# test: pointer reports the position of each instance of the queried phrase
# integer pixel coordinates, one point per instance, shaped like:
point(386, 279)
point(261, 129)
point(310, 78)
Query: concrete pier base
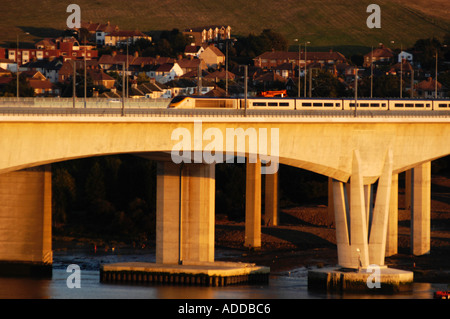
point(25, 222)
point(344, 279)
point(193, 274)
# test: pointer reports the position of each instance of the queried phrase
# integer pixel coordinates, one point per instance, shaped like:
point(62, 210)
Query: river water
point(286, 285)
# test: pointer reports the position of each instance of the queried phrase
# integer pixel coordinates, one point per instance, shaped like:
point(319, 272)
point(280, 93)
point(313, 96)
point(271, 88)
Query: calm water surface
point(289, 285)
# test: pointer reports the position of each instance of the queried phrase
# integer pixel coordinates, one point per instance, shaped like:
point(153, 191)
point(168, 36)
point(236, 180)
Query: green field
point(333, 24)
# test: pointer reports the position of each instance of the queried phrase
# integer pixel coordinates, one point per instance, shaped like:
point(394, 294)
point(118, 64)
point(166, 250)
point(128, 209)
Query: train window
point(419, 105)
point(306, 104)
point(352, 104)
point(398, 105)
point(442, 105)
point(272, 104)
point(374, 104)
point(284, 104)
point(364, 104)
point(328, 104)
point(383, 104)
point(259, 103)
point(317, 104)
point(338, 104)
point(409, 105)
point(428, 104)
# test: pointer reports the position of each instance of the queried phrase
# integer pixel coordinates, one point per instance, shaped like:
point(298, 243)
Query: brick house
point(212, 56)
point(381, 54)
point(272, 59)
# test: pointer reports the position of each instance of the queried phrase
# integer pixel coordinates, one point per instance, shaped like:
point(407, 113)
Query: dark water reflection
point(288, 285)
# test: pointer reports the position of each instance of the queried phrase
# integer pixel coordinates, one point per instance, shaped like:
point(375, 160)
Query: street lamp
point(17, 62)
point(401, 69)
point(299, 58)
point(305, 67)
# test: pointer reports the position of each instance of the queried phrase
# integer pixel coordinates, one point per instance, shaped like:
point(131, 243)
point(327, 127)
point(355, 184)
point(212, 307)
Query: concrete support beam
point(271, 199)
point(358, 223)
point(392, 232)
point(185, 213)
point(26, 216)
point(341, 221)
point(330, 210)
point(253, 205)
point(420, 209)
point(378, 225)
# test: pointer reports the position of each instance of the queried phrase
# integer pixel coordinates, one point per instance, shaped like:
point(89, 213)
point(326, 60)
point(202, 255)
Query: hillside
point(325, 23)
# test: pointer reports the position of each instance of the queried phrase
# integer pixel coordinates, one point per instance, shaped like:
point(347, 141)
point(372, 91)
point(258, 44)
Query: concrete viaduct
point(356, 153)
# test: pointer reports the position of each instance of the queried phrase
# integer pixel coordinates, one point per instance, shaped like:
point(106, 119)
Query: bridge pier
point(185, 213)
point(361, 234)
point(420, 209)
point(185, 235)
point(392, 232)
point(253, 205)
point(26, 222)
point(271, 204)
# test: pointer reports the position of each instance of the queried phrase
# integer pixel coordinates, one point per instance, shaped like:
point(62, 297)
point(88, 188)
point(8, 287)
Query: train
point(272, 103)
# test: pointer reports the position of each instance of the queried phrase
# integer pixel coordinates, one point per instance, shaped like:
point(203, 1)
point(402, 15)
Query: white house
point(165, 72)
point(408, 57)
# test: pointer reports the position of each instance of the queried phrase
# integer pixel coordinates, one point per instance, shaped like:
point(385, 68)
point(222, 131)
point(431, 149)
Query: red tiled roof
point(429, 85)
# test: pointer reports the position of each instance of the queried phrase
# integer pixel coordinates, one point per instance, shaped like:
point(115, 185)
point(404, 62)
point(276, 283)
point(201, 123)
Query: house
point(50, 69)
point(212, 56)
point(405, 56)
point(106, 61)
point(187, 87)
point(164, 72)
point(43, 88)
point(272, 59)
point(191, 65)
point(8, 64)
point(65, 73)
point(100, 78)
point(286, 70)
point(208, 34)
point(427, 89)
point(155, 90)
point(220, 75)
point(121, 38)
point(193, 50)
point(381, 54)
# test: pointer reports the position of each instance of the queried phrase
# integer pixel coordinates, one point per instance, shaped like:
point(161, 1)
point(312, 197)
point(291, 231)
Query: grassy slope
point(329, 23)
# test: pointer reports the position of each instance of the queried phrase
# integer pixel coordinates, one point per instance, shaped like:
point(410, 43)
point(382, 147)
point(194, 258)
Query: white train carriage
point(318, 104)
point(269, 103)
point(441, 105)
point(410, 105)
point(366, 104)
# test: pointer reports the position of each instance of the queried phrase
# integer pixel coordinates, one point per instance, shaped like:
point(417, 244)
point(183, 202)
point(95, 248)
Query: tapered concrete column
point(368, 199)
point(358, 223)
point(271, 199)
point(392, 232)
point(253, 205)
point(26, 219)
point(420, 209)
point(185, 213)
point(330, 209)
point(379, 223)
